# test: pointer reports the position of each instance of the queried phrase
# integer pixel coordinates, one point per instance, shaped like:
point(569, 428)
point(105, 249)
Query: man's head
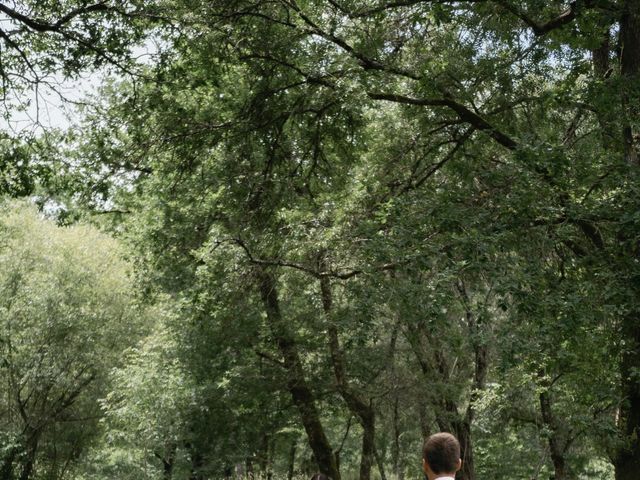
point(441, 455)
point(320, 476)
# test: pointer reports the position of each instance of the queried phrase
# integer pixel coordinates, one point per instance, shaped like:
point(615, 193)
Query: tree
point(430, 146)
point(43, 39)
point(66, 311)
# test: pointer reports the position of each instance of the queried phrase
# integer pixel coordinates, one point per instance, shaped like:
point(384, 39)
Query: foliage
point(42, 40)
point(66, 311)
point(370, 221)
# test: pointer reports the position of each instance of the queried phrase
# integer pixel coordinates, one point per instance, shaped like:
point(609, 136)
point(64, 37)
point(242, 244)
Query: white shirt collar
point(445, 478)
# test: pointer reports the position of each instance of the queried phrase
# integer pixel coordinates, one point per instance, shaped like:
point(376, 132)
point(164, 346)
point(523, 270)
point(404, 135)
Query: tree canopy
point(65, 314)
point(363, 222)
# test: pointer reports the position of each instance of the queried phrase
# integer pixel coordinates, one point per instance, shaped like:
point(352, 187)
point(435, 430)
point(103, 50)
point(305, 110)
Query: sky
point(55, 106)
point(49, 107)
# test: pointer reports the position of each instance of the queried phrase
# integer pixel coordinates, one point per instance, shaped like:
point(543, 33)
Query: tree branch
point(463, 112)
point(541, 29)
point(365, 62)
point(399, 4)
point(565, 17)
point(311, 271)
point(42, 26)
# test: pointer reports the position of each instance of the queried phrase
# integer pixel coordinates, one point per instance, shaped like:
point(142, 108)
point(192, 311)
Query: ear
point(459, 466)
point(425, 466)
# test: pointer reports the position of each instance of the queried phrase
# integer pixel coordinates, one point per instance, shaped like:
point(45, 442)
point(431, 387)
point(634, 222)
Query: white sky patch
point(51, 104)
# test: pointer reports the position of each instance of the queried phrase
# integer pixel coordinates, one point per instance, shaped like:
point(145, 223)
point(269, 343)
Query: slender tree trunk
point(380, 463)
point(357, 405)
point(601, 71)
point(263, 456)
point(600, 55)
point(481, 367)
point(630, 70)
point(168, 463)
point(292, 459)
point(248, 462)
point(27, 467)
point(6, 471)
point(425, 429)
point(30, 456)
point(271, 452)
point(556, 444)
point(398, 469)
point(297, 385)
point(448, 417)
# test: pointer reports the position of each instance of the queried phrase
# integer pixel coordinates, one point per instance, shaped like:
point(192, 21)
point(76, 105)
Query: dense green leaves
point(362, 222)
point(67, 312)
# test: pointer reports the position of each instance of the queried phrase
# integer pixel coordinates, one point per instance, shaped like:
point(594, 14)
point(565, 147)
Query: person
point(319, 476)
point(441, 457)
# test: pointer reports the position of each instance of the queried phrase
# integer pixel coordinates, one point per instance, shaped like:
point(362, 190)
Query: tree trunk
point(368, 447)
point(601, 71)
point(30, 456)
point(627, 462)
point(630, 70)
point(27, 467)
point(480, 368)
point(248, 462)
point(556, 445)
point(272, 448)
point(425, 429)
point(292, 460)
point(357, 405)
point(6, 471)
point(448, 417)
point(167, 468)
point(462, 430)
point(398, 469)
point(380, 463)
point(297, 385)
point(263, 455)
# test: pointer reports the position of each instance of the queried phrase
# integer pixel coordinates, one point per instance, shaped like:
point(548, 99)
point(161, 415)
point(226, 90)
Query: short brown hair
point(319, 476)
point(442, 452)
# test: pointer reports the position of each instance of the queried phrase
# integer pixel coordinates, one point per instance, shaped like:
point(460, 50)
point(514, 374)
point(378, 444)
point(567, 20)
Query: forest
point(271, 238)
